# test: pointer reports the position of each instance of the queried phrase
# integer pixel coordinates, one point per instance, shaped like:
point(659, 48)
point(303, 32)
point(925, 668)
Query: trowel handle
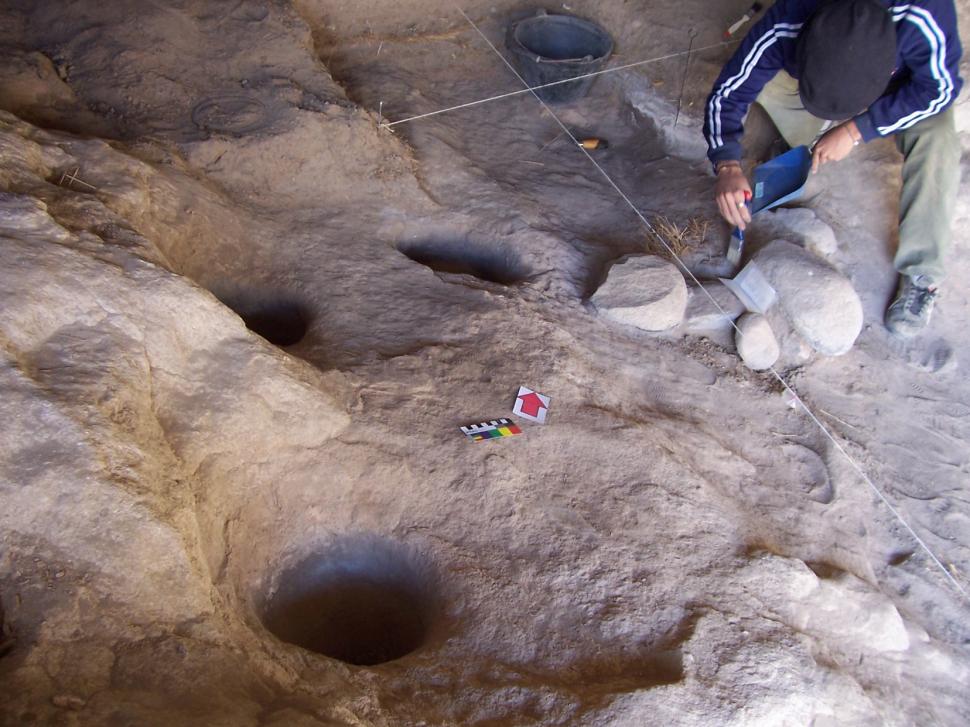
point(747, 199)
point(737, 237)
point(738, 232)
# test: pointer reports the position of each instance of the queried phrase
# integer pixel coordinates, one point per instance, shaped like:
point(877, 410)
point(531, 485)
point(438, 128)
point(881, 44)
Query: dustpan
point(781, 180)
point(776, 182)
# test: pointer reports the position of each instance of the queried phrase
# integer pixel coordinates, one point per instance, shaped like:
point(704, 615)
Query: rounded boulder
point(756, 342)
point(817, 299)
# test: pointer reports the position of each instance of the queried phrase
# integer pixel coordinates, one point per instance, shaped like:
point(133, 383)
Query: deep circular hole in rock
point(280, 320)
point(364, 601)
point(495, 263)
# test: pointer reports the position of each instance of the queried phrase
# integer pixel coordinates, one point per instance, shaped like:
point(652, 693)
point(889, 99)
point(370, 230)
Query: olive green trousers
point(931, 175)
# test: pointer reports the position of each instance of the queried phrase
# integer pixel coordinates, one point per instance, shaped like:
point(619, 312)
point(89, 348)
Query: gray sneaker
point(910, 312)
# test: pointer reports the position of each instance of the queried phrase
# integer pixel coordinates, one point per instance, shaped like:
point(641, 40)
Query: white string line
point(532, 89)
point(772, 370)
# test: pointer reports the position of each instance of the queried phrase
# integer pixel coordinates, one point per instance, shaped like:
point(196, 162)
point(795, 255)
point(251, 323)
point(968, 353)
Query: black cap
point(846, 54)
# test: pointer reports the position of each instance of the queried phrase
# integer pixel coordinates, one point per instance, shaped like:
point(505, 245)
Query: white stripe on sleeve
point(937, 42)
point(750, 62)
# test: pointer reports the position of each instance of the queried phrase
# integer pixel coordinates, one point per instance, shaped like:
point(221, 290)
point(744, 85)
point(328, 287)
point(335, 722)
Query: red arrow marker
point(531, 404)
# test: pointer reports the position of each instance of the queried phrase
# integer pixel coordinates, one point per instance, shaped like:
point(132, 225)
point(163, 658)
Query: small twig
point(683, 82)
point(379, 48)
point(839, 420)
point(556, 138)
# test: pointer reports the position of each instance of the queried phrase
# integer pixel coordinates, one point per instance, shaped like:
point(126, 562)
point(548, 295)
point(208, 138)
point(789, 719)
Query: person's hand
point(731, 192)
point(835, 145)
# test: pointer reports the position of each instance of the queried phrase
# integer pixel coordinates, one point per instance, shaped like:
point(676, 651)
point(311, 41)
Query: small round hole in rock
point(364, 601)
point(280, 321)
point(495, 264)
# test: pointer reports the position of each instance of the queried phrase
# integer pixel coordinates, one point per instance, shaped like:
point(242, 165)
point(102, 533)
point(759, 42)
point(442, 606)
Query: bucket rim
point(558, 17)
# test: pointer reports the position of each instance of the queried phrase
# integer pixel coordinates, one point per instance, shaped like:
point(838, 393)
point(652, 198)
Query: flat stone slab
point(645, 291)
point(703, 317)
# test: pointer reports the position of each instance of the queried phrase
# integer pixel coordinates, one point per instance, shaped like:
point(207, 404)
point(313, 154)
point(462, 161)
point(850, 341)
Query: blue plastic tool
point(776, 182)
point(782, 179)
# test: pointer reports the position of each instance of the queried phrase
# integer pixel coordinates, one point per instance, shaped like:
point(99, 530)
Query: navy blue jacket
point(926, 80)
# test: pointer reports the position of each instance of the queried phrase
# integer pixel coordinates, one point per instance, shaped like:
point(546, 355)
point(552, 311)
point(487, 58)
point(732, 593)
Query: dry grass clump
point(680, 238)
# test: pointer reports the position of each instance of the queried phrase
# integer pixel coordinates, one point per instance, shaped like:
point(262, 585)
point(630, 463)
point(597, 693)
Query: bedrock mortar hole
point(280, 320)
point(364, 601)
point(495, 264)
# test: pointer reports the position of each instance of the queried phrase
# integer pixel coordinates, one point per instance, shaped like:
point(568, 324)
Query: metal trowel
point(737, 238)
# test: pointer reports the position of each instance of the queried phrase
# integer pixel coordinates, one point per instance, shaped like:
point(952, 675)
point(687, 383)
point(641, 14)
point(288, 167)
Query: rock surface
point(28, 218)
point(676, 547)
point(703, 317)
point(643, 291)
point(756, 342)
point(795, 350)
point(798, 224)
point(820, 302)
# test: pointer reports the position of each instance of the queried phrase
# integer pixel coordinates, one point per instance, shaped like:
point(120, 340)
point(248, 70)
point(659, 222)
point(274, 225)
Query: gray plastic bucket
point(548, 48)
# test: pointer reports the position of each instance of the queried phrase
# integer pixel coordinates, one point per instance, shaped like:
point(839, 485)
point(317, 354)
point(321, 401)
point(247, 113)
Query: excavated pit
point(363, 601)
point(281, 320)
point(493, 264)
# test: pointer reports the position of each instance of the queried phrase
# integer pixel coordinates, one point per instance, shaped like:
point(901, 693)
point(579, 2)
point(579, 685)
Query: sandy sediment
point(242, 324)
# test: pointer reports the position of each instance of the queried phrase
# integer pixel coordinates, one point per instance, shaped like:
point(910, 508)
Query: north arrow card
point(531, 405)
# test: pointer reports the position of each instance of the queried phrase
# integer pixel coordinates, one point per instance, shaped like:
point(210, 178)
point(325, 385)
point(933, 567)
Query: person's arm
point(930, 48)
point(731, 192)
point(836, 144)
point(760, 56)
